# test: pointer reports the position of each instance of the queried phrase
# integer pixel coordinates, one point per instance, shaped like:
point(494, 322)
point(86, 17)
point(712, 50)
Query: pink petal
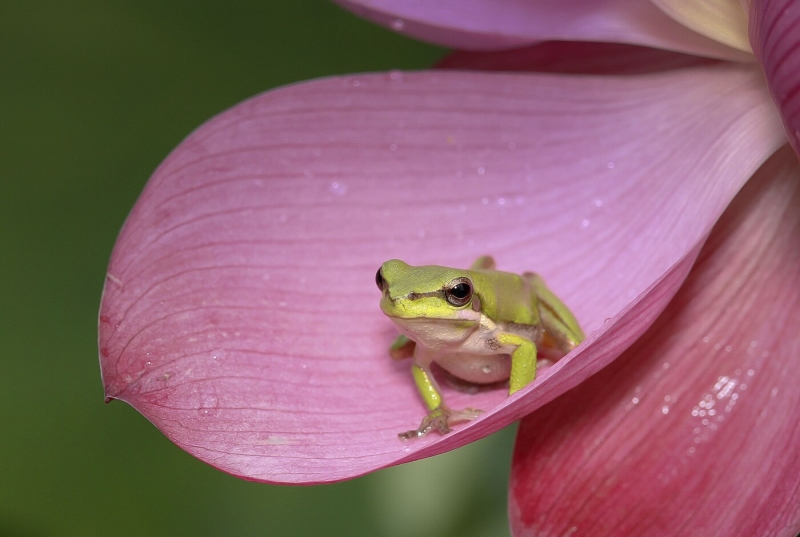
point(695, 429)
point(240, 314)
point(775, 36)
point(502, 24)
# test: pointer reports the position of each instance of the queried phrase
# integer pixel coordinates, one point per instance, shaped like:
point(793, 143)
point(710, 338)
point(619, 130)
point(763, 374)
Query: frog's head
point(430, 304)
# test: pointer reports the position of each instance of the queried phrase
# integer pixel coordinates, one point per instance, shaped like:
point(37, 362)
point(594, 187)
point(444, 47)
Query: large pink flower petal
point(502, 24)
point(775, 35)
point(240, 315)
point(695, 429)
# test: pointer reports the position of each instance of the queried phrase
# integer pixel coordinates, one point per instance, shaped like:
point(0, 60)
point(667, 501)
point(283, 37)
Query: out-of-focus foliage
point(93, 96)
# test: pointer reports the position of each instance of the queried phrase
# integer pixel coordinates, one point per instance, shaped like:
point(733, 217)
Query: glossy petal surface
point(694, 429)
point(503, 24)
point(775, 34)
point(240, 314)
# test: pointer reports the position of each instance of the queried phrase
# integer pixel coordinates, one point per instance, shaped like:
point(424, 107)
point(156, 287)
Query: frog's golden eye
point(459, 292)
point(379, 279)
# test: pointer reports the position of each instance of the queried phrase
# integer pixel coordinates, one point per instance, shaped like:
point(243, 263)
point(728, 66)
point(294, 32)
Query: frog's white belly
point(468, 346)
point(476, 368)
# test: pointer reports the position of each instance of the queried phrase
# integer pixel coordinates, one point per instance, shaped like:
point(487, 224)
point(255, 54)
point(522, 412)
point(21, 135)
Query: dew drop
point(481, 170)
point(484, 201)
point(392, 147)
point(208, 405)
point(585, 223)
point(395, 75)
point(611, 165)
point(665, 409)
point(398, 25)
point(337, 188)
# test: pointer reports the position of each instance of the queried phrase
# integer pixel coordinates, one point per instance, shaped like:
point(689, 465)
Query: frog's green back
point(505, 297)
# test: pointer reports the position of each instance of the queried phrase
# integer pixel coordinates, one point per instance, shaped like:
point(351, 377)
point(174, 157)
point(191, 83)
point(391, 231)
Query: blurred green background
point(93, 95)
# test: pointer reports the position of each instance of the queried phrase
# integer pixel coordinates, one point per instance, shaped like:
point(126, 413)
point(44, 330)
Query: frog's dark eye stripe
point(379, 279)
point(459, 292)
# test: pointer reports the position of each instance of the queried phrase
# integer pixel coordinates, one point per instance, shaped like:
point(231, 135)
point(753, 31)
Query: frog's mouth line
point(464, 316)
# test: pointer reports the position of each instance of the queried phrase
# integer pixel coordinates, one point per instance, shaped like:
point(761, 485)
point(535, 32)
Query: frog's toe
point(437, 419)
point(441, 419)
point(468, 414)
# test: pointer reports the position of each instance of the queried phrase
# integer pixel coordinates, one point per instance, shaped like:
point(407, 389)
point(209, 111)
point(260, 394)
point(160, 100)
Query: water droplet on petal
point(337, 188)
point(398, 24)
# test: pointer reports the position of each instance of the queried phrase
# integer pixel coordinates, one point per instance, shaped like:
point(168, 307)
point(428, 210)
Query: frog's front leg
point(439, 417)
point(523, 360)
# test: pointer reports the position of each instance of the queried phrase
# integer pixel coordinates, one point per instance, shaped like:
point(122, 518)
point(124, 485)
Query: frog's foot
point(440, 419)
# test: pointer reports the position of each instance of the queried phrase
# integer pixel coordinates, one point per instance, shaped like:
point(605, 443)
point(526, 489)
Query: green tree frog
point(480, 325)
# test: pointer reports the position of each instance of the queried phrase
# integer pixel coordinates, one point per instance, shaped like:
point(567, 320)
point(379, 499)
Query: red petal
point(575, 57)
point(240, 315)
point(695, 429)
point(775, 36)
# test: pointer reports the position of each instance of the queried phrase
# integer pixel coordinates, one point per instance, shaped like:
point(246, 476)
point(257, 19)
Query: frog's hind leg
point(561, 329)
point(484, 262)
